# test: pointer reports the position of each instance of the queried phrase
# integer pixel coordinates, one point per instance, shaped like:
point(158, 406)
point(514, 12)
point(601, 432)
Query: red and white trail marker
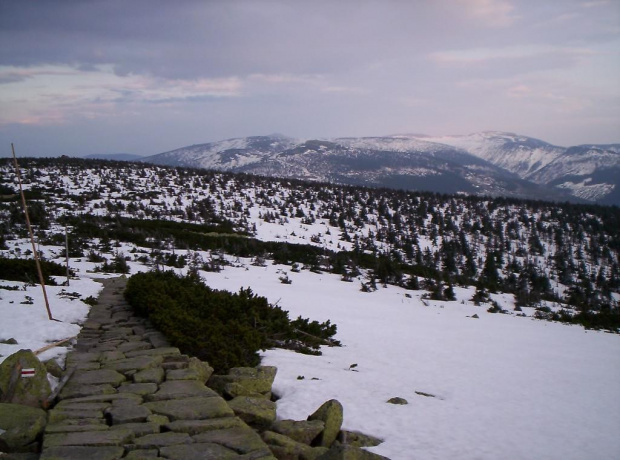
point(28, 372)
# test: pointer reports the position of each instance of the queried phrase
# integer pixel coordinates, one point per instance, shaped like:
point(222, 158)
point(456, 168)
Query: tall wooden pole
point(67, 253)
point(34, 247)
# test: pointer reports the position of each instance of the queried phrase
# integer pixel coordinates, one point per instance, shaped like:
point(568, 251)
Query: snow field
point(504, 386)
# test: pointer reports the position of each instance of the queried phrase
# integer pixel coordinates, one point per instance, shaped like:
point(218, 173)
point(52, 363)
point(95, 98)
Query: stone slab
point(139, 429)
point(154, 375)
point(158, 440)
point(164, 351)
point(82, 453)
point(127, 413)
point(97, 377)
point(242, 440)
point(138, 388)
point(137, 363)
point(89, 438)
point(178, 389)
point(191, 408)
point(193, 427)
point(201, 451)
point(79, 391)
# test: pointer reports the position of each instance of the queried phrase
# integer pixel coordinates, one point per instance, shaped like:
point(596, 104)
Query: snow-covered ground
point(502, 386)
point(23, 316)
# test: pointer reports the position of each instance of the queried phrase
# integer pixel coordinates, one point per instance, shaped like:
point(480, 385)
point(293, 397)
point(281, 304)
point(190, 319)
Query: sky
point(148, 76)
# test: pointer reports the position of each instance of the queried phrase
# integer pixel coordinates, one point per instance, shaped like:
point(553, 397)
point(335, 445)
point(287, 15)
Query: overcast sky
point(144, 77)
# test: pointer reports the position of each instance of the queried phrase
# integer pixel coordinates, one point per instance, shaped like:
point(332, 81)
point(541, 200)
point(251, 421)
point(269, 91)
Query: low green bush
point(25, 270)
point(220, 327)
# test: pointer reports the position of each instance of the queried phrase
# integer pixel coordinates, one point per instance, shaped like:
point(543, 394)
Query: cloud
point(491, 13)
point(484, 55)
point(519, 91)
point(595, 4)
point(55, 94)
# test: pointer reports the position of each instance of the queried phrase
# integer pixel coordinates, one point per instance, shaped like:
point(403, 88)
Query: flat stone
point(20, 426)
point(66, 428)
point(127, 413)
point(74, 358)
point(142, 454)
point(77, 390)
point(139, 429)
point(193, 427)
point(58, 415)
point(191, 408)
point(89, 324)
point(287, 448)
point(242, 440)
point(196, 370)
point(111, 356)
point(137, 363)
point(155, 441)
point(178, 389)
point(108, 346)
point(198, 451)
point(87, 366)
point(357, 439)
point(254, 411)
point(259, 379)
point(85, 345)
point(81, 453)
point(165, 351)
point(304, 431)
point(138, 388)
point(97, 377)
point(398, 400)
point(154, 375)
point(83, 421)
point(69, 404)
point(133, 346)
point(158, 418)
point(234, 389)
point(118, 332)
point(108, 398)
point(89, 438)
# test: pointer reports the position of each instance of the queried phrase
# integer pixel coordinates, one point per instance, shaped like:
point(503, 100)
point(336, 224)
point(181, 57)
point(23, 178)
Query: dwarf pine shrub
point(225, 329)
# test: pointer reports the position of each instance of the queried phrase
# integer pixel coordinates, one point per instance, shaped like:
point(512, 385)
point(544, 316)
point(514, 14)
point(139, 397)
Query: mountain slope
point(590, 172)
point(394, 161)
point(521, 155)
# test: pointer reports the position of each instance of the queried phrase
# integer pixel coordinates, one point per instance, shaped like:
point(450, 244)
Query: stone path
point(133, 396)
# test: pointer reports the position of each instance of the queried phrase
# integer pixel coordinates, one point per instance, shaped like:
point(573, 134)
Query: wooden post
point(34, 247)
point(67, 253)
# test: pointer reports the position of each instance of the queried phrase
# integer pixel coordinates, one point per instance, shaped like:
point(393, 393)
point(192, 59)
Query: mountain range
point(487, 163)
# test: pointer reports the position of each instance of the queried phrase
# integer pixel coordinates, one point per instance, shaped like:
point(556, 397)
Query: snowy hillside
point(472, 309)
point(225, 155)
point(585, 170)
point(521, 155)
point(488, 163)
point(395, 162)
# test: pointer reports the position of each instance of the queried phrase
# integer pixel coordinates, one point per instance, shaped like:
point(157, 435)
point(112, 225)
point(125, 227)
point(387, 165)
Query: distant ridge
point(114, 156)
point(487, 163)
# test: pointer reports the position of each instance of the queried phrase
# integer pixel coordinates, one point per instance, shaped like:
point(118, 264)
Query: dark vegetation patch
point(220, 327)
point(25, 270)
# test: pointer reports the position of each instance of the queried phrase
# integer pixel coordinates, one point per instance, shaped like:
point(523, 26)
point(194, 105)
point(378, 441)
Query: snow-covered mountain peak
point(486, 162)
